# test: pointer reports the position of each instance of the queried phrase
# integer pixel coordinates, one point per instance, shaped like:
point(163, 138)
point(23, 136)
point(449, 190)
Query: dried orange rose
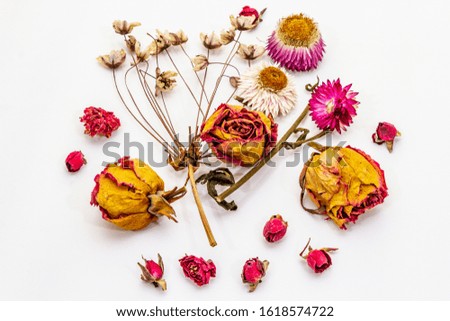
point(343, 183)
point(131, 195)
point(238, 135)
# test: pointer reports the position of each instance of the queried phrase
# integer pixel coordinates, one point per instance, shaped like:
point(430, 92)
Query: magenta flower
point(333, 107)
point(296, 44)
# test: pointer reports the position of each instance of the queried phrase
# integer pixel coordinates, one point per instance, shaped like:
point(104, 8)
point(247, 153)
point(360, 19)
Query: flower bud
point(75, 161)
point(275, 229)
point(211, 41)
point(318, 260)
point(197, 269)
point(386, 133)
point(248, 19)
point(343, 182)
point(153, 272)
point(253, 272)
point(238, 135)
point(200, 62)
point(227, 36)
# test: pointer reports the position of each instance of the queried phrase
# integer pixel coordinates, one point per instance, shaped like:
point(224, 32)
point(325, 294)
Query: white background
point(55, 246)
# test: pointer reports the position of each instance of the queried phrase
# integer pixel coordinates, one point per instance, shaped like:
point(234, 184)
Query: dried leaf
point(223, 177)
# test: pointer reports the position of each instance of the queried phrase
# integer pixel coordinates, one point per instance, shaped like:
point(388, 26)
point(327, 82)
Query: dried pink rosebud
point(249, 11)
point(385, 133)
point(318, 260)
point(153, 272)
point(253, 272)
point(197, 269)
point(275, 229)
point(75, 161)
point(100, 122)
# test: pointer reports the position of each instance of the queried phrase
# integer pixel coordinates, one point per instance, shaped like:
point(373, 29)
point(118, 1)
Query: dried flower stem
point(273, 152)
point(151, 131)
point(201, 211)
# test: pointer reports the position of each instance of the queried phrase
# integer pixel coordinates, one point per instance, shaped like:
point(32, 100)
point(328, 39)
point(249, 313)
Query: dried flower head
point(238, 135)
point(159, 43)
point(130, 194)
point(343, 182)
point(386, 133)
point(297, 43)
point(211, 41)
point(165, 81)
point(124, 27)
point(113, 60)
point(141, 54)
point(100, 122)
point(248, 19)
point(250, 52)
point(275, 229)
point(227, 36)
point(131, 42)
point(197, 269)
point(333, 106)
point(74, 161)
point(318, 260)
point(175, 38)
point(153, 272)
point(200, 62)
point(253, 272)
point(268, 89)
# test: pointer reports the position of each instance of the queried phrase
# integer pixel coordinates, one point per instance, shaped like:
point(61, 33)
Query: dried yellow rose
point(130, 194)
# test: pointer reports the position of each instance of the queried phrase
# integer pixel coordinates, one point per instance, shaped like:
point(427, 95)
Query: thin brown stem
point(182, 78)
point(201, 211)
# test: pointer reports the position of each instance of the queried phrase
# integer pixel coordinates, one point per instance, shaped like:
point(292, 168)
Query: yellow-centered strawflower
point(131, 195)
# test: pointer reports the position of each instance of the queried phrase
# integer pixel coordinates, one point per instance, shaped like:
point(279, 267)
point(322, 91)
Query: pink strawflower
point(333, 107)
point(98, 121)
point(296, 44)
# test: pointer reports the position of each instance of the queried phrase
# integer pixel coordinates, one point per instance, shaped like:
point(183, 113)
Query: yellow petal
point(134, 222)
point(120, 200)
